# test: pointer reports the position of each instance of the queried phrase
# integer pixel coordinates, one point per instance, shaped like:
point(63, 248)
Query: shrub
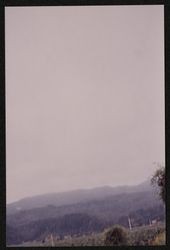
point(159, 240)
point(158, 179)
point(116, 236)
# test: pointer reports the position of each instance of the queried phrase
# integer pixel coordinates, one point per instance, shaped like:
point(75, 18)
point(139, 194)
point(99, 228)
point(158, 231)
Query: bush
point(159, 180)
point(116, 236)
point(159, 240)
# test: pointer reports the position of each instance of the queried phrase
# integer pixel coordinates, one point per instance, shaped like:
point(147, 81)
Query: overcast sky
point(84, 97)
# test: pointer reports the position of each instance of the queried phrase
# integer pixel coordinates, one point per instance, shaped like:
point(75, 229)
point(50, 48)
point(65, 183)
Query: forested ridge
point(84, 218)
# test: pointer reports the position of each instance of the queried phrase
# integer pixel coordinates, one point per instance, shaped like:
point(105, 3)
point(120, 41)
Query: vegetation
point(159, 180)
point(108, 210)
point(76, 225)
point(145, 235)
point(116, 236)
point(159, 239)
point(85, 223)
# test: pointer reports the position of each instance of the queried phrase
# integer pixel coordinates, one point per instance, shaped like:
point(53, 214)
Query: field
point(144, 235)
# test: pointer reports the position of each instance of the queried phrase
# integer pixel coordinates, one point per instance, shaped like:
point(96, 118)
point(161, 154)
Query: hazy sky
point(84, 97)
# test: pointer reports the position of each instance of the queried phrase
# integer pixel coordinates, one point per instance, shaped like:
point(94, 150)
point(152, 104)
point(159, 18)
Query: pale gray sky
point(84, 97)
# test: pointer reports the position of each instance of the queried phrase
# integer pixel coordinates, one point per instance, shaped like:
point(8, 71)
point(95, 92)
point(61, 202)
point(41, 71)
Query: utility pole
point(130, 225)
point(52, 241)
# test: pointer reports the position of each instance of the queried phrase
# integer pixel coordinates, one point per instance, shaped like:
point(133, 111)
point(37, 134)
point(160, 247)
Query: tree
point(116, 236)
point(158, 179)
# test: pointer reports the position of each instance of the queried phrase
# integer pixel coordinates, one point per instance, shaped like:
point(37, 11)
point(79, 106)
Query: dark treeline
point(77, 224)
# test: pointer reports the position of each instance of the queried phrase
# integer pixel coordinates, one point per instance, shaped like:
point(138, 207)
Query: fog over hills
point(85, 120)
point(82, 211)
point(74, 196)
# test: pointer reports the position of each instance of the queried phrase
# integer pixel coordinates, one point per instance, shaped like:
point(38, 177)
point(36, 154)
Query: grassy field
point(145, 235)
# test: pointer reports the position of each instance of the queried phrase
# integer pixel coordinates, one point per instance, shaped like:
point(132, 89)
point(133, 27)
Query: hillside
point(85, 217)
point(72, 197)
point(107, 208)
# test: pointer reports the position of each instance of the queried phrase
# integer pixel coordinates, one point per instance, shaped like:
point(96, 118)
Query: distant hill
point(89, 211)
point(75, 196)
point(107, 209)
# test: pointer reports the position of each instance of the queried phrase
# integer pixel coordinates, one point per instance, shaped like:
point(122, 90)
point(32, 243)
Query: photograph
point(85, 125)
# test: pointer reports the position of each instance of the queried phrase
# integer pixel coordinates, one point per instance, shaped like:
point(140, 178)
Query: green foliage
point(159, 180)
point(145, 236)
point(139, 236)
point(116, 236)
